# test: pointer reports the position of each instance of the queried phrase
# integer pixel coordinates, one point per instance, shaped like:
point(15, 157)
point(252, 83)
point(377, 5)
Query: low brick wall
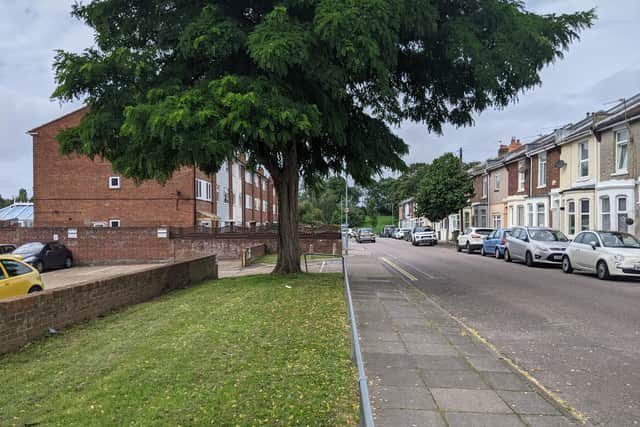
point(253, 252)
point(95, 246)
point(25, 318)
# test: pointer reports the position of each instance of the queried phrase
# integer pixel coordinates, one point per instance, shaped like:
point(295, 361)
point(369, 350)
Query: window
point(257, 204)
point(556, 214)
point(238, 198)
point(235, 170)
point(496, 181)
point(622, 214)
point(264, 206)
point(225, 196)
point(248, 176)
point(590, 239)
point(264, 184)
point(466, 219)
point(274, 209)
point(249, 201)
point(571, 216)
point(540, 215)
point(621, 138)
point(521, 177)
point(114, 182)
point(542, 169)
point(584, 214)
point(15, 268)
point(485, 185)
point(605, 209)
point(497, 221)
point(530, 214)
point(579, 238)
point(455, 222)
point(520, 219)
point(114, 223)
point(203, 190)
point(584, 159)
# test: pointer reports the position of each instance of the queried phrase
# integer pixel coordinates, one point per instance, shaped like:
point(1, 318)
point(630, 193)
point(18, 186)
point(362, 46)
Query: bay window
point(584, 214)
point(622, 214)
point(605, 211)
point(571, 217)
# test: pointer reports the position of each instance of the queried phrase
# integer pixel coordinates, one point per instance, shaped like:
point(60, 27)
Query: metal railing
point(366, 413)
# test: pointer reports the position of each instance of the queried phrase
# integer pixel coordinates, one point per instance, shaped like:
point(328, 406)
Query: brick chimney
point(504, 149)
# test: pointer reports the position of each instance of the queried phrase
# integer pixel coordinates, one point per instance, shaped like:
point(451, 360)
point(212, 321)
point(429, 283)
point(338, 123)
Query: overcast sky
point(603, 67)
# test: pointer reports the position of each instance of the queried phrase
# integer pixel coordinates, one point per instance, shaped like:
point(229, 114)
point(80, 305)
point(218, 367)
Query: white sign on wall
point(72, 233)
point(162, 233)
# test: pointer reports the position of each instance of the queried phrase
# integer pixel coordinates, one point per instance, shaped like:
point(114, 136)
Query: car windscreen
point(484, 231)
point(547, 236)
point(619, 240)
point(29, 248)
point(365, 230)
point(422, 229)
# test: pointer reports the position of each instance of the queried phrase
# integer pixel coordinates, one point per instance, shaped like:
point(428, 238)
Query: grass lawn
point(382, 221)
point(257, 350)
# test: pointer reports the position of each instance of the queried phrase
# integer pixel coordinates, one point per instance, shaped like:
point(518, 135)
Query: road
point(577, 335)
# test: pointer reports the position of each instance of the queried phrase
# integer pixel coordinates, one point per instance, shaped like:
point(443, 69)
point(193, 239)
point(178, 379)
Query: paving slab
point(424, 369)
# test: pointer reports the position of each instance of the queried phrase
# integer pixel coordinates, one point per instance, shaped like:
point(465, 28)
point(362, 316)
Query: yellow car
point(18, 278)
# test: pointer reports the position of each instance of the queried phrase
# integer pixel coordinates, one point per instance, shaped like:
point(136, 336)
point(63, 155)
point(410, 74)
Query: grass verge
point(258, 350)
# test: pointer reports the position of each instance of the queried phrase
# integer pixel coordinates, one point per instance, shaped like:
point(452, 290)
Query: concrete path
point(71, 276)
point(425, 369)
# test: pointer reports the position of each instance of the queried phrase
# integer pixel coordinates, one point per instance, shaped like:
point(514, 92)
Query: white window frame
point(115, 186)
point(542, 170)
point(583, 147)
point(619, 143)
point(520, 218)
point(249, 201)
point(256, 203)
point(583, 213)
point(248, 176)
point(541, 213)
point(264, 205)
point(485, 186)
point(225, 195)
point(114, 223)
point(203, 190)
point(605, 213)
point(521, 177)
point(496, 181)
point(571, 214)
point(530, 214)
point(497, 221)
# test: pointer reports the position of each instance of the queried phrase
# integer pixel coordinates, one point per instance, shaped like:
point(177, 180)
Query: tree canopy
point(444, 189)
point(302, 87)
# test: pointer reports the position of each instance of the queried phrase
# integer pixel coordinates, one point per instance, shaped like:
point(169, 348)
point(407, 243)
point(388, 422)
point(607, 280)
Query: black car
point(7, 248)
point(45, 256)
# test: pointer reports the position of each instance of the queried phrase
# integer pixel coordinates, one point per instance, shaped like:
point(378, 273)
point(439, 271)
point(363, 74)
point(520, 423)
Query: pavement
point(233, 268)
point(425, 368)
point(71, 276)
point(576, 335)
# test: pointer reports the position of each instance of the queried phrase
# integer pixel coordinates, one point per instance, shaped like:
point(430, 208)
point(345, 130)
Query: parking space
point(70, 276)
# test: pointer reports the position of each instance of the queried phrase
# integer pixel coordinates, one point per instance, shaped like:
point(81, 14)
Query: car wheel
point(468, 248)
point(458, 248)
point(497, 254)
point(602, 270)
point(528, 259)
point(39, 266)
point(482, 252)
point(413, 242)
point(507, 255)
point(34, 289)
point(68, 262)
point(566, 265)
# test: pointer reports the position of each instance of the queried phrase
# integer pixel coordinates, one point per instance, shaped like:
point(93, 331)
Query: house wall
point(477, 190)
point(498, 206)
point(552, 175)
point(512, 173)
point(570, 154)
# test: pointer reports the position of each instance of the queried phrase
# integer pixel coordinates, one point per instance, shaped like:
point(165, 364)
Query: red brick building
point(74, 191)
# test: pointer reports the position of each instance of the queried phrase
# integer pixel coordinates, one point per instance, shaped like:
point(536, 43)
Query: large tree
point(303, 87)
point(444, 189)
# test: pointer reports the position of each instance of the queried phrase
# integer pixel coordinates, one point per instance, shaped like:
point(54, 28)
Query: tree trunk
point(286, 184)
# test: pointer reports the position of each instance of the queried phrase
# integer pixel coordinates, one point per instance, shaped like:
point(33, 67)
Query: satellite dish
point(629, 221)
point(560, 164)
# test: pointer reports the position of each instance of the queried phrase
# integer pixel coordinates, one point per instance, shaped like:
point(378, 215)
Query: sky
point(602, 67)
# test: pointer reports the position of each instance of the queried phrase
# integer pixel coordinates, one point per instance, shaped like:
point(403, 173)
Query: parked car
point(17, 278)
point(402, 232)
point(495, 243)
point(535, 245)
point(366, 235)
point(606, 253)
point(351, 232)
point(7, 248)
point(388, 231)
point(45, 256)
point(471, 238)
point(423, 236)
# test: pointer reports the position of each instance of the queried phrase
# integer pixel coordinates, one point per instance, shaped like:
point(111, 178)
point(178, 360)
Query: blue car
point(495, 242)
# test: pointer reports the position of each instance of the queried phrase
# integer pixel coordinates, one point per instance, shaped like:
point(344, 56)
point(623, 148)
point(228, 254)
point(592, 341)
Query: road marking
point(399, 269)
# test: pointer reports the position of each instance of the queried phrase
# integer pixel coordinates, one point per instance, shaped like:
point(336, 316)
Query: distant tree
point(444, 189)
point(22, 196)
point(380, 196)
point(304, 88)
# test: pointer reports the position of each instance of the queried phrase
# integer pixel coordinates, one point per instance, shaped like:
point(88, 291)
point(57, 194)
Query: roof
point(36, 129)
point(17, 211)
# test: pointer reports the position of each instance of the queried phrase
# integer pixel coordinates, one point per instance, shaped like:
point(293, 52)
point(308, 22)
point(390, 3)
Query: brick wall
point(25, 318)
point(477, 189)
point(94, 246)
point(553, 173)
point(512, 172)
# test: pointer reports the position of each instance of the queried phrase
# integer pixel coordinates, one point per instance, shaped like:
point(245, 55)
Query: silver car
point(535, 246)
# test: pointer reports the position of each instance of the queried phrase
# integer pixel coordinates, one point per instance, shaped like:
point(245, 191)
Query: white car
point(471, 238)
point(401, 233)
point(423, 235)
point(606, 253)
